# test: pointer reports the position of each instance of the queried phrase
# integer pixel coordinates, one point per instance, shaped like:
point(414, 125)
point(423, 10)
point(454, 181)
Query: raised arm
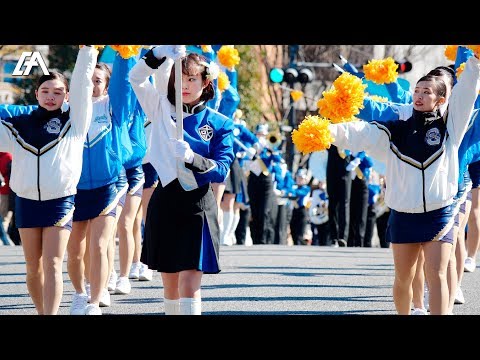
point(81, 89)
point(149, 95)
point(120, 92)
point(462, 100)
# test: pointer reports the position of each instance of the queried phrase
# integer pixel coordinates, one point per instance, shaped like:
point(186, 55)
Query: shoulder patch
point(205, 132)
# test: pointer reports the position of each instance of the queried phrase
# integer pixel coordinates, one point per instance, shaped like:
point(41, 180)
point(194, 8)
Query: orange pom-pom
point(344, 100)
point(127, 51)
point(451, 52)
point(312, 135)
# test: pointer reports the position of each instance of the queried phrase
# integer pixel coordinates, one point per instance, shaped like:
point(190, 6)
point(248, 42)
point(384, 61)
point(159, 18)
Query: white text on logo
point(35, 60)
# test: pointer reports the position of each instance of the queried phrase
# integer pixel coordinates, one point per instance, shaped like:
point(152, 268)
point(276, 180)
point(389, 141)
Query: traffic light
point(291, 75)
point(305, 76)
point(276, 75)
point(403, 67)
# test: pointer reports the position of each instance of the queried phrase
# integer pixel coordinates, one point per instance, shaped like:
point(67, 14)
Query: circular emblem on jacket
point(432, 137)
point(53, 126)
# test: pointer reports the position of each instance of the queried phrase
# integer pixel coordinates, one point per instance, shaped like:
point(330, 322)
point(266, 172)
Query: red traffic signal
point(404, 67)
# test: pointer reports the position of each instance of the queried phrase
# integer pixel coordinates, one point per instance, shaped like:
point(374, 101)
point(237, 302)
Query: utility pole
point(295, 72)
point(292, 116)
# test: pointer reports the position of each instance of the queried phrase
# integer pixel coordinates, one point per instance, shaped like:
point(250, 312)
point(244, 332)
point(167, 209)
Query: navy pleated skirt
point(181, 230)
point(436, 225)
point(55, 212)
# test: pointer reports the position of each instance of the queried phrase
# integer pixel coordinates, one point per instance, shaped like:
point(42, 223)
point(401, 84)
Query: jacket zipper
point(38, 178)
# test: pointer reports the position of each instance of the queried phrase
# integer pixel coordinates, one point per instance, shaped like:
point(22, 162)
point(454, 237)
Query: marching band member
point(299, 221)
point(183, 253)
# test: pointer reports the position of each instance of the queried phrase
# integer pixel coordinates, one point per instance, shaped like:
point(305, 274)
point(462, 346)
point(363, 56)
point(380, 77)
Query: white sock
point(248, 237)
point(236, 220)
point(227, 224)
point(172, 307)
point(190, 306)
point(220, 219)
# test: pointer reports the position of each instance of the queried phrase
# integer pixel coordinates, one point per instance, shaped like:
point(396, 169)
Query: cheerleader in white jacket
point(421, 157)
point(47, 147)
point(181, 230)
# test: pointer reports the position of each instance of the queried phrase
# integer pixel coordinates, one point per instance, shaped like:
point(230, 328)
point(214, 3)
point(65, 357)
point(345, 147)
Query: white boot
point(172, 307)
point(227, 224)
point(190, 306)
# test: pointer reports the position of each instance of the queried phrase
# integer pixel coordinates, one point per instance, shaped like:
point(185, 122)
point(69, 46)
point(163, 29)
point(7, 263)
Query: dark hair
point(444, 71)
point(191, 64)
point(54, 75)
point(439, 86)
point(106, 69)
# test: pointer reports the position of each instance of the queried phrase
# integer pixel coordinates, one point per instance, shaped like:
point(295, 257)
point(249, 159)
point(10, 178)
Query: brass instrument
point(274, 139)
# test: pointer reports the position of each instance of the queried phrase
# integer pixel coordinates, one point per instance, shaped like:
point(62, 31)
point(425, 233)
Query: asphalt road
point(257, 280)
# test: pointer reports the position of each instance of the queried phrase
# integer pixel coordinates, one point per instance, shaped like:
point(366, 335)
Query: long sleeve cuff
point(200, 164)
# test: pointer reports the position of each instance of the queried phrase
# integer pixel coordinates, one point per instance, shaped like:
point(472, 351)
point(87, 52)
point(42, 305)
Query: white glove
point(252, 152)
point(171, 51)
point(353, 164)
point(182, 150)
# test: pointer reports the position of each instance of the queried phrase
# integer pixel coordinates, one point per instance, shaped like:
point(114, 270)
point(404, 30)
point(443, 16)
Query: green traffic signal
point(276, 75)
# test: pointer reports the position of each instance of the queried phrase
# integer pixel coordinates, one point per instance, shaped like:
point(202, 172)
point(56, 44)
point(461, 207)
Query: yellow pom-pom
point(296, 95)
point(381, 71)
point(312, 135)
point(207, 48)
point(223, 81)
point(377, 98)
point(344, 100)
point(228, 56)
point(451, 52)
point(127, 51)
point(475, 49)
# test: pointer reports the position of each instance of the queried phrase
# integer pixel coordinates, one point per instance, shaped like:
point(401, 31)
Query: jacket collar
point(46, 114)
point(194, 109)
point(426, 117)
